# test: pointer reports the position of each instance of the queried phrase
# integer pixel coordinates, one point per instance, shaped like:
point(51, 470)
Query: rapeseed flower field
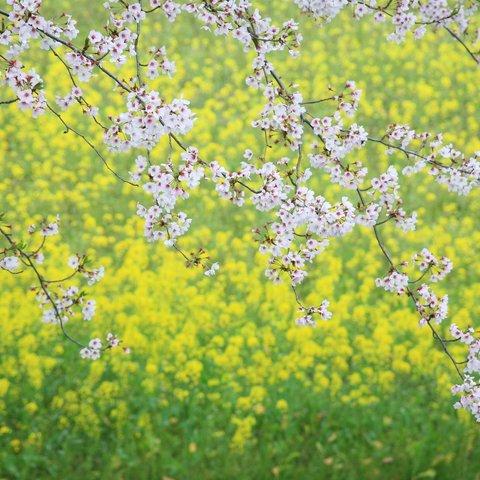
point(220, 382)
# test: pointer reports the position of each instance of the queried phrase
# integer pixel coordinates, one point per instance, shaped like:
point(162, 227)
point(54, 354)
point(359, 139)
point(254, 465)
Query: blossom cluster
point(405, 16)
point(394, 282)
point(446, 164)
point(427, 304)
point(95, 347)
point(308, 318)
point(438, 268)
point(60, 299)
point(469, 389)
point(148, 118)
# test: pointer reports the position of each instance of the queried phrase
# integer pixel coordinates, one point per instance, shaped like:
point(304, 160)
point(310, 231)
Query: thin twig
point(91, 145)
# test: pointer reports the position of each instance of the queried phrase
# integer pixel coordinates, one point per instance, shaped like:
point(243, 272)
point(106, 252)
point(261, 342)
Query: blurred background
point(220, 383)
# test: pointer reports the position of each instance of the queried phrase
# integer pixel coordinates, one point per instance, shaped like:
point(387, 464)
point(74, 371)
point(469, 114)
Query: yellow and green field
point(221, 383)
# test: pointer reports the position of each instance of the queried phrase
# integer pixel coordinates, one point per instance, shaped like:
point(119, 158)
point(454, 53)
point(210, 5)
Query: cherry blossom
point(61, 299)
point(300, 222)
point(406, 16)
point(394, 282)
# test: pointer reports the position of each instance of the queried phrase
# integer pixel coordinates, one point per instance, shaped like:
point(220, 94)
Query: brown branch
point(91, 145)
point(43, 285)
point(464, 45)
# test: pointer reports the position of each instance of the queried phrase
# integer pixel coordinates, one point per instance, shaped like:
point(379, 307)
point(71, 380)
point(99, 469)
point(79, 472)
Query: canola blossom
point(273, 176)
